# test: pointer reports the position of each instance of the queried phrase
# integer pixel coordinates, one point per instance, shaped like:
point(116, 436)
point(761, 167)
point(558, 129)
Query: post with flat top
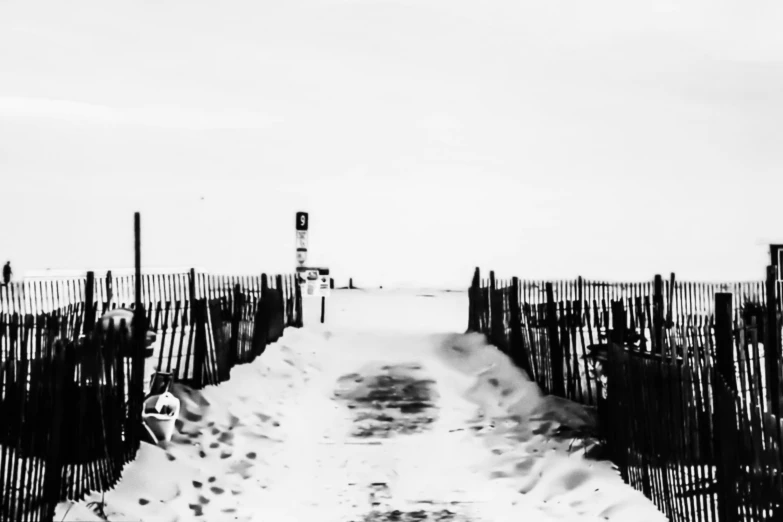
point(137, 234)
point(139, 317)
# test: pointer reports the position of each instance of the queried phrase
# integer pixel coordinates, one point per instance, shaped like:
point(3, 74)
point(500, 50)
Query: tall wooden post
point(725, 438)
point(139, 317)
point(139, 322)
point(137, 234)
point(613, 407)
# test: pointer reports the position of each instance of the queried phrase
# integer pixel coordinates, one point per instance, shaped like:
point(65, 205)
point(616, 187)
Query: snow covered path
point(373, 417)
point(419, 466)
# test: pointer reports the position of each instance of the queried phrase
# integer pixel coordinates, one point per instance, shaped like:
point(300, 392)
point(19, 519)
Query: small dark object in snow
point(412, 516)
point(392, 402)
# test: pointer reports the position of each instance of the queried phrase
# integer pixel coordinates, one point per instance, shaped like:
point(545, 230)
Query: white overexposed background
point(611, 139)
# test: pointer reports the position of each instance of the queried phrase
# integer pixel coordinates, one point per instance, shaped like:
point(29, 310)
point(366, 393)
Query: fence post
point(555, 350)
point(192, 294)
point(615, 435)
point(725, 388)
point(139, 334)
point(53, 471)
point(670, 304)
point(236, 314)
point(280, 304)
point(580, 292)
point(726, 438)
point(657, 318)
point(298, 304)
point(772, 343)
point(137, 237)
point(623, 446)
point(198, 314)
point(475, 288)
point(496, 314)
point(109, 290)
point(491, 307)
point(89, 303)
point(517, 348)
point(724, 339)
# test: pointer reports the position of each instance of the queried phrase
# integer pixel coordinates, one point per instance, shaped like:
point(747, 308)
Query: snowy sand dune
point(341, 423)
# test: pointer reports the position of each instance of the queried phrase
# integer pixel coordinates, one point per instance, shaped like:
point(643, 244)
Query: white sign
point(315, 282)
point(301, 239)
point(301, 257)
point(324, 285)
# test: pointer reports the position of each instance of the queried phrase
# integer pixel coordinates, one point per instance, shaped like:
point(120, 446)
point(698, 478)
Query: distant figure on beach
point(7, 273)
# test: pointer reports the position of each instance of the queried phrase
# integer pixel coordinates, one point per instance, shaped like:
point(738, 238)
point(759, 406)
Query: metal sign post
point(302, 226)
point(313, 281)
point(776, 261)
point(776, 255)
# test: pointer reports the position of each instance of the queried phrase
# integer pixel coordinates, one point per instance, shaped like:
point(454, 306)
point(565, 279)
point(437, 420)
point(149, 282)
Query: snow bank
point(224, 434)
point(539, 442)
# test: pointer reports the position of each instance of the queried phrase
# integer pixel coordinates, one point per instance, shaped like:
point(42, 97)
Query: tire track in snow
point(396, 400)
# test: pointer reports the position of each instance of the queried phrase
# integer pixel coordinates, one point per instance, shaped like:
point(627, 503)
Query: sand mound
point(217, 454)
point(539, 442)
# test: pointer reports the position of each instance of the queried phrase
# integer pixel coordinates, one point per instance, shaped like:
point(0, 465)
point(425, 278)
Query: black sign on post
point(302, 220)
point(776, 254)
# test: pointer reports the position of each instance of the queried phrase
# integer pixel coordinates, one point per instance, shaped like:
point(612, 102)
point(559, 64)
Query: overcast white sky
point(614, 139)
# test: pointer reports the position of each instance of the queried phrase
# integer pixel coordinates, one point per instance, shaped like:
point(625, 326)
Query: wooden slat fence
point(69, 417)
point(64, 379)
point(688, 393)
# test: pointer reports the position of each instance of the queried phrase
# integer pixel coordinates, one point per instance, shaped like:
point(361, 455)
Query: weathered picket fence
point(688, 390)
point(71, 391)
